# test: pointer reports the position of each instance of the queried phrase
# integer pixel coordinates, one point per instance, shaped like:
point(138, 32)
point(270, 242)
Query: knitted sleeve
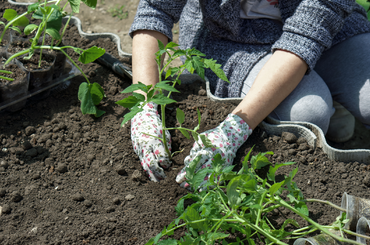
point(312, 27)
point(157, 15)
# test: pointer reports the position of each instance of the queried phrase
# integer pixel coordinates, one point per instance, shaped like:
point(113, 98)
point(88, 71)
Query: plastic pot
point(41, 77)
point(322, 239)
point(363, 228)
point(11, 91)
point(356, 208)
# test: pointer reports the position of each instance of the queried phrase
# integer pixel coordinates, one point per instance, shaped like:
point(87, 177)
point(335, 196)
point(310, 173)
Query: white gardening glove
point(150, 150)
point(227, 138)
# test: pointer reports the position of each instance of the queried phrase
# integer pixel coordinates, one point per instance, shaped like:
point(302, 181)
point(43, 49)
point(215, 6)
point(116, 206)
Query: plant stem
point(260, 230)
point(260, 209)
point(7, 78)
point(318, 226)
point(328, 203)
point(163, 112)
point(355, 234)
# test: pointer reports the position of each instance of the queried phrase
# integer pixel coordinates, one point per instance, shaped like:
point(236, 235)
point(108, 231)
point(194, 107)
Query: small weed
point(118, 12)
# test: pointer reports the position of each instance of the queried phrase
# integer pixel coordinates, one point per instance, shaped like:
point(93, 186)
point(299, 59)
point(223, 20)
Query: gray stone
point(43, 138)
point(366, 180)
point(289, 137)
point(5, 209)
point(2, 192)
point(88, 203)
point(136, 175)
point(77, 197)
point(4, 164)
point(116, 201)
point(129, 197)
point(110, 209)
point(62, 168)
point(16, 196)
point(31, 152)
point(202, 92)
point(30, 130)
point(27, 145)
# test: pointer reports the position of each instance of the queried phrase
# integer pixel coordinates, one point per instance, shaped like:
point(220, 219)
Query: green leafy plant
point(6, 78)
point(241, 202)
point(50, 13)
point(118, 12)
point(194, 63)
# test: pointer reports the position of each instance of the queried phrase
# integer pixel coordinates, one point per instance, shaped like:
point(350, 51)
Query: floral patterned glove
point(227, 138)
point(150, 150)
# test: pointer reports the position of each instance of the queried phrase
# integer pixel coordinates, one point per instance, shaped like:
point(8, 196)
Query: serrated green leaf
point(185, 133)
point(32, 7)
point(160, 45)
point(75, 5)
point(245, 162)
point(180, 116)
point(272, 170)
point(166, 87)
point(302, 208)
point(189, 66)
point(232, 193)
point(130, 115)
point(198, 66)
point(206, 142)
point(179, 53)
point(210, 63)
point(128, 102)
point(135, 87)
point(90, 3)
point(91, 54)
point(139, 97)
point(193, 215)
point(169, 241)
point(9, 14)
point(198, 178)
point(97, 93)
point(250, 186)
point(190, 169)
point(53, 33)
point(180, 207)
point(161, 99)
point(199, 116)
point(259, 161)
point(171, 45)
point(196, 52)
point(275, 187)
point(216, 236)
point(29, 29)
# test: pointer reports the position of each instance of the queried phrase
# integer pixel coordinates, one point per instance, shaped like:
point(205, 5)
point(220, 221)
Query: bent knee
point(313, 109)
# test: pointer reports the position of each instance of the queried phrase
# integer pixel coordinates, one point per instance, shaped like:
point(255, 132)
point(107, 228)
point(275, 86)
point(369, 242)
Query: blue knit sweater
point(308, 28)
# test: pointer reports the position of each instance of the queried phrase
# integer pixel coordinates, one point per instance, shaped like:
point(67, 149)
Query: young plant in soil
point(6, 78)
point(50, 13)
point(241, 202)
point(194, 62)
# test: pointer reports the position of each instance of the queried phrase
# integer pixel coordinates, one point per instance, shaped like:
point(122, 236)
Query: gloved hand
point(150, 150)
point(226, 138)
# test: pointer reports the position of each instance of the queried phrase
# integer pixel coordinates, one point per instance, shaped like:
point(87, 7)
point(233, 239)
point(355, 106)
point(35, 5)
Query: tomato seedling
point(194, 62)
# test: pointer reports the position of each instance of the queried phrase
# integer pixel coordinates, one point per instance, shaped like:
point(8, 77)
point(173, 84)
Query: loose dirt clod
point(78, 197)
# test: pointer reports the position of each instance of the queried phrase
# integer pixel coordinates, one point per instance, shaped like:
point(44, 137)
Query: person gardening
point(288, 59)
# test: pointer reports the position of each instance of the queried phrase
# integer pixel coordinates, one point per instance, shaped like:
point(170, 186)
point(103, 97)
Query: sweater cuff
point(306, 48)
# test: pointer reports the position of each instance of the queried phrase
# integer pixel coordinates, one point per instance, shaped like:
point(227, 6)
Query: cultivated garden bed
point(68, 178)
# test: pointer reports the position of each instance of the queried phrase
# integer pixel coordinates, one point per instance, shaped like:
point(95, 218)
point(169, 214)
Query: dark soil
point(68, 178)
